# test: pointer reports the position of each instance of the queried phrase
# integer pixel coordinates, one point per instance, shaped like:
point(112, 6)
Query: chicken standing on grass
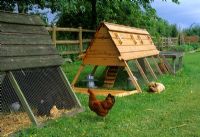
point(100, 107)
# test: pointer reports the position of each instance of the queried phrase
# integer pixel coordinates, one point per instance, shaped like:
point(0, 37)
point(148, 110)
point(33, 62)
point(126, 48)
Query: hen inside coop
point(45, 92)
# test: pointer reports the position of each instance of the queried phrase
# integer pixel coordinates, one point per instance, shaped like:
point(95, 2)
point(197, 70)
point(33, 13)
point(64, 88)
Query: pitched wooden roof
point(117, 42)
point(25, 43)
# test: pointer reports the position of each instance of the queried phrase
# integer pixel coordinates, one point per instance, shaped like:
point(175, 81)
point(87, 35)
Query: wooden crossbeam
point(132, 77)
point(156, 64)
point(141, 72)
point(94, 70)
point(77, 74)
point(150, 69)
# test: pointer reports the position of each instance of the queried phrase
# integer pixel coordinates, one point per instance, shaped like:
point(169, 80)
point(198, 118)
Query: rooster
point(100, 107)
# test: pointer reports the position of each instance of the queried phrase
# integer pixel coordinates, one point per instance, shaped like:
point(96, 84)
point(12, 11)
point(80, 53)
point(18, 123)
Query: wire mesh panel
point(46, 93)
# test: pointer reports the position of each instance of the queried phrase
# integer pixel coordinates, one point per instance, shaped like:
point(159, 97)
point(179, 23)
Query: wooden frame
point(141, 72)
point(77, 75)
point(150, 69)
point(22, 98)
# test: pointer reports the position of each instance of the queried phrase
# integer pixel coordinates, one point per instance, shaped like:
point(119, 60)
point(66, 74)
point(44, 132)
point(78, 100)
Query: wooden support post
point(22, 98)
point(156, 64)
point(94, 70)
point(161, 61)
point(142, 72)
point(77, 75)
point(150, 69)
point(54, 35)
point(68, 86)
point(80, 40)
point(132, 77)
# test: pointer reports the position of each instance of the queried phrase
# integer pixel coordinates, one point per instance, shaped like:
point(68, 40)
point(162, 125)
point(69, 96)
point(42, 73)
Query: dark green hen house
point(31, 79)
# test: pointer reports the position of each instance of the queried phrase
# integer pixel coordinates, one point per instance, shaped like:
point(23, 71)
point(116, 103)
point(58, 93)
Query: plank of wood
point(150, 68)
point(68, 52)
point(67, 41)
point(156, 64)
point(105, 92)
point(77, 75)
point(14, 63)
point(9, 17)
point(125, 35)
point(94, 70)
point(25, 29)
point(103, 61)
point(139, 54)
point(80, 40)
point(12, 38)
point(122, 28)
point(130, 42)
point(124, 49)
point(132, 77)
point(161, 61)
point(142, 72)
point(26, 50)
point(167, 65)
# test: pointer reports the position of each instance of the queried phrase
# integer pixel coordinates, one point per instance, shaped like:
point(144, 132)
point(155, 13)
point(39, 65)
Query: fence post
point(80, 40)
point(54, 35)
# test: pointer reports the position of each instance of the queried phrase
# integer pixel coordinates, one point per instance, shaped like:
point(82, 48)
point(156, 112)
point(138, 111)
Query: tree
point(22, 6)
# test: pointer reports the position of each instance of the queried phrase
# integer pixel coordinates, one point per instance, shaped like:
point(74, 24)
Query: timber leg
point(132, 77)
point(150, 69)
point(142, 72)
point(94, 70)
point(156, 64)
point(77, 75)
point(164, 66)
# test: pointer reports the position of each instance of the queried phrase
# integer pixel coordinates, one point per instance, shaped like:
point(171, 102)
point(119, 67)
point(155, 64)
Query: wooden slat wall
point(25, 43)
point(27, 50)
point(13, 63)
point(20, 19)
point(139, 54)
point(19, 28)
point(17, 39)
point(103, 51)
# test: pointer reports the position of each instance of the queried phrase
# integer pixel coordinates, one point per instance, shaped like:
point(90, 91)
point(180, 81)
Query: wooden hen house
point(113, 46)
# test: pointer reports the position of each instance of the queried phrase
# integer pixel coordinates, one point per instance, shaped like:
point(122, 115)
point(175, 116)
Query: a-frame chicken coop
point(32, 83)
point(113, 46)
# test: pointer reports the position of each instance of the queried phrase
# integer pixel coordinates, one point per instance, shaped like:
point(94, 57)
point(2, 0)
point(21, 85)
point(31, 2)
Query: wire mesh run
point(44, 90)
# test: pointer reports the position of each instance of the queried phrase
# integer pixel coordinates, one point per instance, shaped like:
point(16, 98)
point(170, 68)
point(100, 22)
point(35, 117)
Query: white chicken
point(15, 106)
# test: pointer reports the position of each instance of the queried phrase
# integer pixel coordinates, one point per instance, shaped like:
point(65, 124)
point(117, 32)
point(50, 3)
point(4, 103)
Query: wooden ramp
point(104, 92)
point(110, 76)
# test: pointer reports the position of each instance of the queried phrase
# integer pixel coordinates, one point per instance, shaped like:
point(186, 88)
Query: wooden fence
point(79, 42)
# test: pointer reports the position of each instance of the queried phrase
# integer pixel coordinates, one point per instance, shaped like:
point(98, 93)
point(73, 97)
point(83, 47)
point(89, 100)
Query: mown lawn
point(174, 112)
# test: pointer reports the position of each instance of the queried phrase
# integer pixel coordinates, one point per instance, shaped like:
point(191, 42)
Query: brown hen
point(100, 107)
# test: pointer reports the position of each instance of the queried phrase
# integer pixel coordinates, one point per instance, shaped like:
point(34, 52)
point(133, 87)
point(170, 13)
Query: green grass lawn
point(174, 112)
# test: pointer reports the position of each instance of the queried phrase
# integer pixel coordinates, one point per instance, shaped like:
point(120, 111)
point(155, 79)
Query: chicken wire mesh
point(45, 92)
